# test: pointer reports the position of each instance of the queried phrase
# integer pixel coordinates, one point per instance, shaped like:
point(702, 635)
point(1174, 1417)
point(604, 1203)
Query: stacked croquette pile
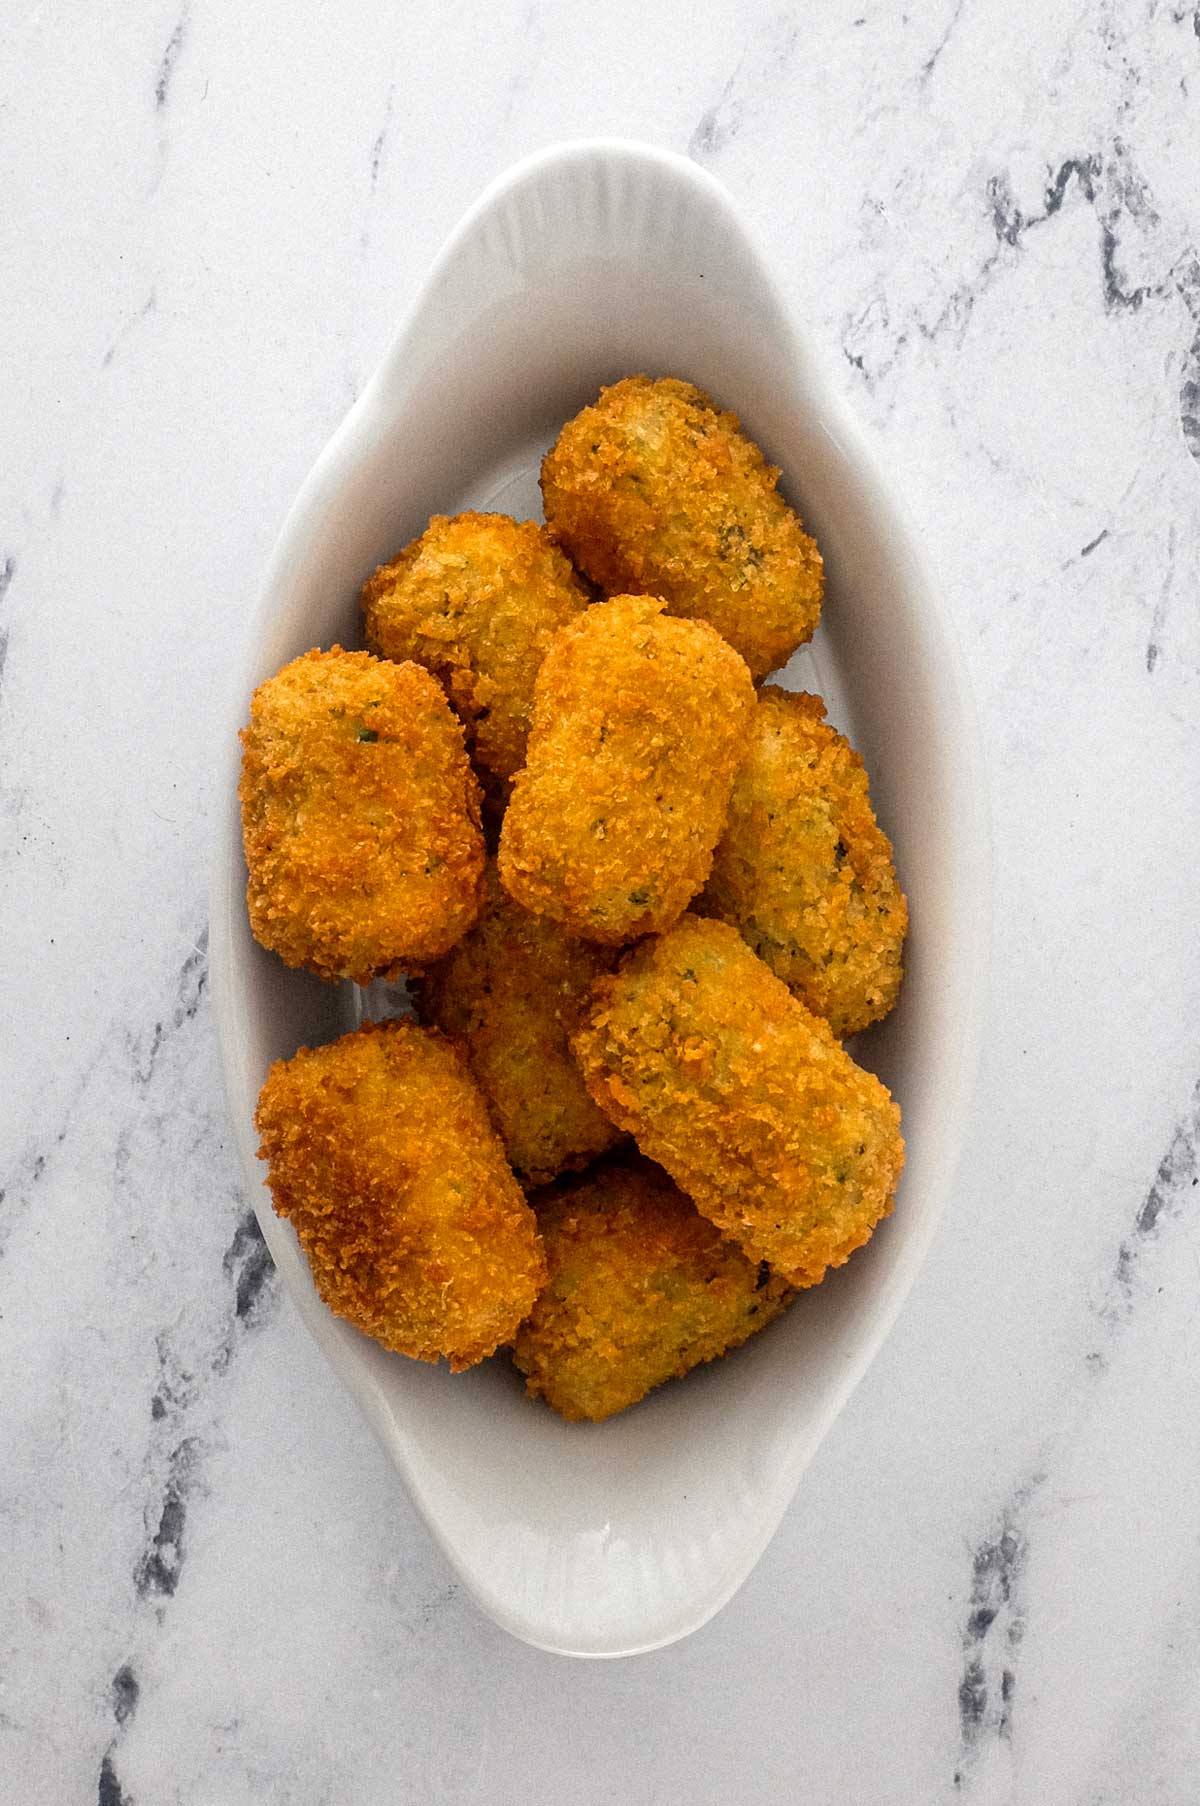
point(621, 1132)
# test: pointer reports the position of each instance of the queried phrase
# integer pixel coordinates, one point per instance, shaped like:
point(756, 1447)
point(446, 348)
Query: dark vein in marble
point(156, 1573)
point(170, 57)
point(713, 133)
point(1177, 1175)
point(1188, 282)
point(1189, 398)
point(1113, 189)
point(1159, 618)
point(189, 992)
point(1087, 550)
point(1119, 196)
point(1173, 1187)
point(381, 138)
point(8, 571)
point(250, 1273)
point(27, 1171)
point(719, 125)
point(124, 1694)
point(993, 1631)
point(247, 1262)
point(148, 306)
point(925, 73)
point(109, 1791)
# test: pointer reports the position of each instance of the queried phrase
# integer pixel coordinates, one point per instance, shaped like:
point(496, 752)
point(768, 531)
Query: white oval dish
point(583, 264)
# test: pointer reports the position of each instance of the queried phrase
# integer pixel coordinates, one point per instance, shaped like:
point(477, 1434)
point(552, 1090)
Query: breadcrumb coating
point(360, 817)
point(655, 490)
point(639, 724)
point(509, 995)
point(641, 1290)
point(476, 600)
point(805, 872)
point(744, 1096)
point(382, 1157)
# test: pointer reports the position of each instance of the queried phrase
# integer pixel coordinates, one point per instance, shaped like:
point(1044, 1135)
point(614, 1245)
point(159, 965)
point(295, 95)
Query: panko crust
point(639, 724)
point(655, 490)
point(360, 818)
point(641, 1289)
point(508, 996)
point(803, 870)
point(382, 1157)
point(744, 1096)
point(476, 599)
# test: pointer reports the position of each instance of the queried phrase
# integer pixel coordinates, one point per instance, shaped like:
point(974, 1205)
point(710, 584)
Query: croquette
point(382, 1157)
point(641, 1290)
point(803, 869)
point(476, 600)
point(655, 490)
point(743, 1095)
point(639, 724)
point(360, 817)
point(509, 995)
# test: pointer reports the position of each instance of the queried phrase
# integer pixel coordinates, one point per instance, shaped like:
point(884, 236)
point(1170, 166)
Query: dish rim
point(953, 682)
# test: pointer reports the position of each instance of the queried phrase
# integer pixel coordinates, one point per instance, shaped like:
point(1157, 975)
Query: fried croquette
point(360, 817)
point(382, 1157)
point(476, 600)
point(509, 995)
point(803, 870)
point(641, 1290)
point(655, 490)
point(639, 724)
point(744, 1096)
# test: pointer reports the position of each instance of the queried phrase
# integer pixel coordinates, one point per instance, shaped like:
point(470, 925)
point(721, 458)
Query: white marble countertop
point(214, 1589)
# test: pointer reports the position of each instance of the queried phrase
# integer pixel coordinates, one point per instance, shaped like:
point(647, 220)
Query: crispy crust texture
point(805, 873)
point(744, 1096)
point(360, 818)
point(654, 490)
point(382, 1157)
point(639, 724)
point(641, 1290)
point(509, 995)
point(477, 600)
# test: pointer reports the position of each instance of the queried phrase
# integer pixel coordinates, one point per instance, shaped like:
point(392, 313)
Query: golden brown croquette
point(744, 1096)
point(639, 724)
point(382, 1157)
point(641, 1289)
point(655, 490)
point(509, 995)
point(803, 870)
point(360, 817)
point(476, 600)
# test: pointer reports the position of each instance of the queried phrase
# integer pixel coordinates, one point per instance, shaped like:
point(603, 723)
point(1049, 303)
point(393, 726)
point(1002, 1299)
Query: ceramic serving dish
point(583, 264)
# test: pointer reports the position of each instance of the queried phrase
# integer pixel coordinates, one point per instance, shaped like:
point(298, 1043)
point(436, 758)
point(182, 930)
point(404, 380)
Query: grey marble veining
point(988, 1588)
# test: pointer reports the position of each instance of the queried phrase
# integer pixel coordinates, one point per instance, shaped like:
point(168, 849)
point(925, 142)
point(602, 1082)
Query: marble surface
point(213, 1589)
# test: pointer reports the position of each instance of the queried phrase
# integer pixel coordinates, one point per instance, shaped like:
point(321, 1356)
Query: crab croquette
point(640, 721)
point(381, 1155)
point(641, 1290)
point(803, 870)
point(509, 995)
point(656, 490)
point(360, 817)
point(476, 600)
point(743, 1095)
